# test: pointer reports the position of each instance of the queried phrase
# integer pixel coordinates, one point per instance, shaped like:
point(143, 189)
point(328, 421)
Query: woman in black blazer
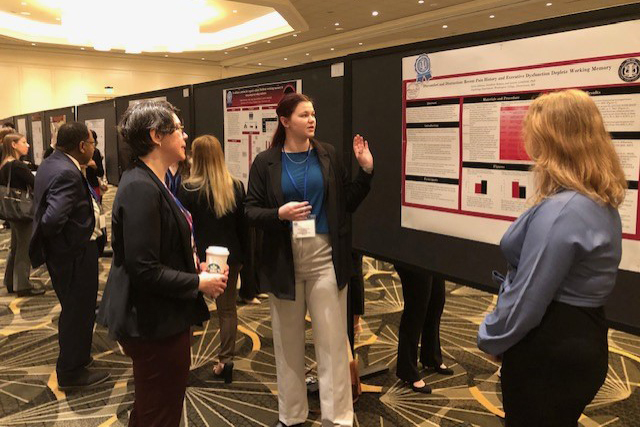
point(296, 177)
point(216, 201)
point(154, 292)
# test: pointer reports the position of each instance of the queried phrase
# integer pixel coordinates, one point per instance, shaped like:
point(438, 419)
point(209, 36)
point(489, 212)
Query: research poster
point(55, 122)
point(22, 126)
point(97, 125)
point(37, 138)
point(249, 122)
point(465, 170)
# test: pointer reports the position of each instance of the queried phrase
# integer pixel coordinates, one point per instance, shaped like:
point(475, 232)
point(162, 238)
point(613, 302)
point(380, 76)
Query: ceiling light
point(445, 26)
point(374, 13)
point(166, 56)
point(33, 44)
point(246, 47)
point(306, 54)
point(333, 48)
point(492, 16)
point(337, 24)
point(295, 35)
point(226, 53)
point(25, 13)
point(81, 48)
point(286, 59)
point(268, 41)
point(24, 3)
point(549, 4)
point(420, 1)
point(202, 59)
point(235, 11)
point(360, 44)
point(259, 63)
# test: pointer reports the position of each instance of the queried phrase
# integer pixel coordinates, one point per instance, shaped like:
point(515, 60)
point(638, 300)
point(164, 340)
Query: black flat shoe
point(31, 292)
point(425, 389)
point(226, 374)
point(438, 369)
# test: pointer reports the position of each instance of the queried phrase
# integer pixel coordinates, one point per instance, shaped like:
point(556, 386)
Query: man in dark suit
point(66, 225)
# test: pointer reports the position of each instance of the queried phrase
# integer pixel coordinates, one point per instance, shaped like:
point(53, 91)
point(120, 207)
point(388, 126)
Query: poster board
point(52, 121)
point(250, 121)
point(101, 117)
point(37, 136)
point(377, 229)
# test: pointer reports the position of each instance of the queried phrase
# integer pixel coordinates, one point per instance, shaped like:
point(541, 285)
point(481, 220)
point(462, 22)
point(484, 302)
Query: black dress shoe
point(86, 379)
point(226, 373)
point(439, 369)
point(425, 389)
point(30, 292)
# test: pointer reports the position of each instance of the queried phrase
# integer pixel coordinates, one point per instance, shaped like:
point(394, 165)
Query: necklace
point(298, 163)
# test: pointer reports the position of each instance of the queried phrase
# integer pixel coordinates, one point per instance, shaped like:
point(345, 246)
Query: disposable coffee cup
point(217, 259)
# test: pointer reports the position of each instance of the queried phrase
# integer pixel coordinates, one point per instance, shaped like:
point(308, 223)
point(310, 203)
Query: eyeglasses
point(180, 128)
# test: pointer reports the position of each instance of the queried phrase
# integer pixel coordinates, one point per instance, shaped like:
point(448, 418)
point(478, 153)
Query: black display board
point(326, 92)
point(180, 97)
point(68, 112)
point(104, 110)
point(376, 113)
point(39, 116)
point(26, 132)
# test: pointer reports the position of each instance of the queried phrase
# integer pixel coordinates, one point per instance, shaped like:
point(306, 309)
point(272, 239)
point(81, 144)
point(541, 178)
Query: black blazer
point(264, 197)
point(63, 219)
point(152, 289)
point(230, 231)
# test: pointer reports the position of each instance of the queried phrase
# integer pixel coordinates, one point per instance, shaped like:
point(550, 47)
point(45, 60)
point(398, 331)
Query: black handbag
point(15, 204)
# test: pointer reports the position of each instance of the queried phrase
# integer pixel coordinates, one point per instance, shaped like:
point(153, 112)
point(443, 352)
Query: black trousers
point(249, 273)
point(556, 369)
point(355, 296)
point(76, 284)
point(424, 297)
point(160, 375)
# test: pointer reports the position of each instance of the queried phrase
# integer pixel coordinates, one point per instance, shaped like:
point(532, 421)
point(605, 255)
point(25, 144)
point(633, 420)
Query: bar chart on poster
point(466, 172)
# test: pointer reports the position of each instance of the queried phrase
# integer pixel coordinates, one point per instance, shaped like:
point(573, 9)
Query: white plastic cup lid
point(217, 250)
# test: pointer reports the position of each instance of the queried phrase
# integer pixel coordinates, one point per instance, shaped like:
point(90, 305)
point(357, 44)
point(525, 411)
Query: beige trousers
point(317, 291)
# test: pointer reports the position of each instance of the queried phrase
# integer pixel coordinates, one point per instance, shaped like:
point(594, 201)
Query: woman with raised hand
point(299, 194)
point(549, 325)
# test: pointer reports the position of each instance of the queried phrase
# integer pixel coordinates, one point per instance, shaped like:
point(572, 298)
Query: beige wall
point(36, 79)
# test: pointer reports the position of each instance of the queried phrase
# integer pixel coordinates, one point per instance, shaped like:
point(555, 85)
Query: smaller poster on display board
point(55, 122)
point(250, 121)
point(97, 125)
point(37, 138)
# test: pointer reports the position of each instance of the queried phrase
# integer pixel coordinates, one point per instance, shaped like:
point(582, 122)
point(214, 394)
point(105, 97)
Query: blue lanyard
point(306, 175)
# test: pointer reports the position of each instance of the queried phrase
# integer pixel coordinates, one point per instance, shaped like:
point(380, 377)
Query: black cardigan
point(21, 176)
point(152, 290)
point(264, 197)
point(230, 231)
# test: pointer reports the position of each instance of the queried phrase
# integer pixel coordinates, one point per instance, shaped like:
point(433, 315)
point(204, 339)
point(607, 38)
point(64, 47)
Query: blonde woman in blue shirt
point(549, 325)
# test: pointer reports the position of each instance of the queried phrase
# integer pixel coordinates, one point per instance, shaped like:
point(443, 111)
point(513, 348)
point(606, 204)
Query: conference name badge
point(305, 228)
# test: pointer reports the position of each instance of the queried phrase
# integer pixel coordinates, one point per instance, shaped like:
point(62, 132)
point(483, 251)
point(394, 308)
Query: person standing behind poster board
point(306, 261)
point(549, 324)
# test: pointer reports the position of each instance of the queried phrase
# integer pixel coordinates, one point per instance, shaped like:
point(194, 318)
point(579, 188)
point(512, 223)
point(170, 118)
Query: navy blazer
point(264, 197)
point(152, 289)
point(63, 220)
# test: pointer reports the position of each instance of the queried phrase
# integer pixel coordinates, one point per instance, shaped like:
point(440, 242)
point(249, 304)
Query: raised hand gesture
point(362, 153)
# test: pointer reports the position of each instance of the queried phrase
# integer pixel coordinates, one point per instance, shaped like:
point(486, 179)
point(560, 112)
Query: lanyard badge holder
point(304, 228)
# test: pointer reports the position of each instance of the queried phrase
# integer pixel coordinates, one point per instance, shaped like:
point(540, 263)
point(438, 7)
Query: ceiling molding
point(285, 9)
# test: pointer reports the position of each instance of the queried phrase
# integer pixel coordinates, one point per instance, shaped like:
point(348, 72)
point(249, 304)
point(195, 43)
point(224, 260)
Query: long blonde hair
point(210, 176)
point(565, 135)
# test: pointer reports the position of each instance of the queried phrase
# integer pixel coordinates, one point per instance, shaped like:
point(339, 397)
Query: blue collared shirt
point(567, 249)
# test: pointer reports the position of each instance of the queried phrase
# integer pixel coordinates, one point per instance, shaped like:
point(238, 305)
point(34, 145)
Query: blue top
point(567, 249)
point(173, 181)
point(295, 164)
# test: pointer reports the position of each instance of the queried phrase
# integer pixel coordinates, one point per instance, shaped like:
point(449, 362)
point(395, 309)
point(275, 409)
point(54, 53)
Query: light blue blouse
point(567, 249)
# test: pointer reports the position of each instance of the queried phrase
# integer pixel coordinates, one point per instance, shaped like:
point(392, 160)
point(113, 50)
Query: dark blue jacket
point(64, 220)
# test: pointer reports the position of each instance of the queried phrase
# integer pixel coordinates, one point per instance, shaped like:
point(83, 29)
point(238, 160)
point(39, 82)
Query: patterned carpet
point(471, 397)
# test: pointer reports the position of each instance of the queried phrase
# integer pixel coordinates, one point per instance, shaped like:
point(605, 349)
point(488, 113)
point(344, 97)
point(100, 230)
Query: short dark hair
point(142, 117)
point(70, 135)
point(95, 135)
point(9, 125)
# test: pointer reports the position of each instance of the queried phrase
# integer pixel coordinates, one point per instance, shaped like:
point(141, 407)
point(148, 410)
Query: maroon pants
point(160, 373)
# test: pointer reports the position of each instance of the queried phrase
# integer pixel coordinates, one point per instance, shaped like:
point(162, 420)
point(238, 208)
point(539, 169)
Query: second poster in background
point(249, 122)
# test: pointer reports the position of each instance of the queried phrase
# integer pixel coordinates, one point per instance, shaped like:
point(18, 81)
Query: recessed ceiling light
point(226, 53)
point(333, 48)
point(337, 24)
point(246, 47)
point(259, 63)
point(235, 11)
point(420, 1)
point(166, 56)
point(286, 59)
point(25, 13)
point(360, 44)
point(268, 41)
point(307, 54)
point(202, 59)
point(492, 16)
point(81, 48)
point(374, 13)
point(445, 26)
point(33, 44)
point(295, 35)
point(549, 4)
